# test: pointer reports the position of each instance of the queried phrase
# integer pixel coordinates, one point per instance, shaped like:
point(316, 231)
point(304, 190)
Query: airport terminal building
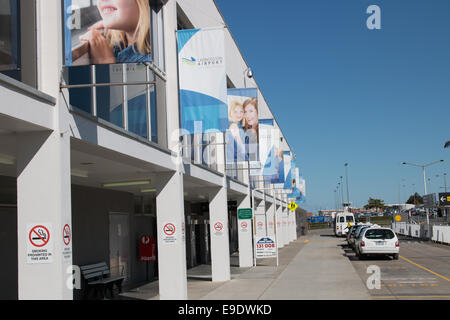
point(93, 167)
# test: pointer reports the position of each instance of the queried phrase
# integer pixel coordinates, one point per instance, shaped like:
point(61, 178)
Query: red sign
point(244, 225)
point(169, 229)
point(39, 236)
point(218, 226)
point(66, 235)
point(147, 248)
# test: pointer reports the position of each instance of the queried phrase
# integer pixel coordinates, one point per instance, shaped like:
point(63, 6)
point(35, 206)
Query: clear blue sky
point(343, 93)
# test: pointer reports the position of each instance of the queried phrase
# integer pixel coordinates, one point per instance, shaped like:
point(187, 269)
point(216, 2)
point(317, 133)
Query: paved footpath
point(313, 267)
point(317, 271)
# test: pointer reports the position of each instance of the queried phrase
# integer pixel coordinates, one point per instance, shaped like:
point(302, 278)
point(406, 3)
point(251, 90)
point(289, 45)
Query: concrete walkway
point(311, 268)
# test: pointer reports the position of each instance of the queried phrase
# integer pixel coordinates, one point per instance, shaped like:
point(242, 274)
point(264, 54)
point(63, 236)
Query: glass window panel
point(82, 97)
point(110, 99)
point(9, 38)
point(137, 100)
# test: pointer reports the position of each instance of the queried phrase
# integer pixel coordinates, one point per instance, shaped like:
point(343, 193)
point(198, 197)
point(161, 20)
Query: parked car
point(356, 232)
point(377, 240)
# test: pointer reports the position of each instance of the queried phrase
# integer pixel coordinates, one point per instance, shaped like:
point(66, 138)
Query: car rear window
point(341, 219)
point(379, 234)
point(349, 218)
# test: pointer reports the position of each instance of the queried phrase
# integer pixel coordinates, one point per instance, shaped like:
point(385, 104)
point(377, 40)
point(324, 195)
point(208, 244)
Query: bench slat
point(93, 266)
point(95, 270)
point(107, 280)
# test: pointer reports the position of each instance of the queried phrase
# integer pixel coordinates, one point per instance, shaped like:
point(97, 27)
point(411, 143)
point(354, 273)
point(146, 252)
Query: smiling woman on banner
point(123, 34)
point(251, 128)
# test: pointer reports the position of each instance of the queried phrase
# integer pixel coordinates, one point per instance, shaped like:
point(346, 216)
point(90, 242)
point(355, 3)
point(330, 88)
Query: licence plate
point(380, 243)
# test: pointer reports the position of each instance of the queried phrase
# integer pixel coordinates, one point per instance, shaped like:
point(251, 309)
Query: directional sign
point(245, 213)
point(293, 206)
point(444, 199)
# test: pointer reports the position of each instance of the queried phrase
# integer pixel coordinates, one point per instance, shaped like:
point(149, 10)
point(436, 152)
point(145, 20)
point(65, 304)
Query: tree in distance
point(374, 204)
point(415, 199)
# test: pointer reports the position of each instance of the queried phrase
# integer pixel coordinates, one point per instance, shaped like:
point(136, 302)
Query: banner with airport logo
point(241, 133)
point(202, 80)
point(95, 32)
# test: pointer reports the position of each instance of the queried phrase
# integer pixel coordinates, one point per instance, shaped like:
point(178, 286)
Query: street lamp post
point(423, 166)
point(346, 178)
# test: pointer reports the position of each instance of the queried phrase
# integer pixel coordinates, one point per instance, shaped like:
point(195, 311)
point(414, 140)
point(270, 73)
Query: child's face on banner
point(119, 14)
point(238, 113)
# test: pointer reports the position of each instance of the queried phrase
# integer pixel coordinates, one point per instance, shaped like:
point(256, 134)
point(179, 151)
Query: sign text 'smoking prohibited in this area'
point(39, 243)
point(169, 235)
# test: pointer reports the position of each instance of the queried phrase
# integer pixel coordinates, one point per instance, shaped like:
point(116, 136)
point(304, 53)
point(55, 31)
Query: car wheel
point(395, 256)
point(361, 256)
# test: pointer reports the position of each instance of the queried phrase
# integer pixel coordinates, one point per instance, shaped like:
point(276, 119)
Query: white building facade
point(83, 178)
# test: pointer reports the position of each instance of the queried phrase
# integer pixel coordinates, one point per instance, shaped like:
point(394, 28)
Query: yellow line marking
point(426, 269)
point(306, 241)
point(403, 297)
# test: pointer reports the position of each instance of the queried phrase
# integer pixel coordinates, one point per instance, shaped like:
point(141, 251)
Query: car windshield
point(379, 234)
point(349, 218)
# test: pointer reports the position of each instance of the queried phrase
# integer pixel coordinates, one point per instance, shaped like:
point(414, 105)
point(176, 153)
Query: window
point(129, 95)
point(379, 234)
point(342, 219)
point(135, 93)
point(10, 38)
point(349, 218)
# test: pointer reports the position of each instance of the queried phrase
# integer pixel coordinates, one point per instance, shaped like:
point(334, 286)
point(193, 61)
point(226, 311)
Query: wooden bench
point(97, 276)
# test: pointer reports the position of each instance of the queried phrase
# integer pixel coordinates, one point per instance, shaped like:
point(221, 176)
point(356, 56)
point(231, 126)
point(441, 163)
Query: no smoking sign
point(39, 243)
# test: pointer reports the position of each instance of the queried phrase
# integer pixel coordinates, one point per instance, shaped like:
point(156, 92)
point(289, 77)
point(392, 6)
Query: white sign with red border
point(169, 235)
point(67, 240)
point(39, 238)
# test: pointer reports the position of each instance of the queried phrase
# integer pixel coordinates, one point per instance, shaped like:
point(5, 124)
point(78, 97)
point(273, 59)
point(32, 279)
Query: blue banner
point(202, 80)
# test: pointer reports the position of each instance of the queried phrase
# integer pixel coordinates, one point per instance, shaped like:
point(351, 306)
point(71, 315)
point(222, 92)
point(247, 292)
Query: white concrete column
point(270, 218)
point(171, 236)
point(260, 219)
point(220, 246)
point(294, 226)
point(285, 225)
point(43, 210)
point(245, 233)
point(280, 237)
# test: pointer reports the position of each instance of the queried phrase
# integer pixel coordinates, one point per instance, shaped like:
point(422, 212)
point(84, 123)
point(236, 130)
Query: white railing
point(439, 233)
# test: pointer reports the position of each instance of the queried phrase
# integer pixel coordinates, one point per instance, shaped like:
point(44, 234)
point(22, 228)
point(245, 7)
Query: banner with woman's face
point(107, 32)
point(242, 131)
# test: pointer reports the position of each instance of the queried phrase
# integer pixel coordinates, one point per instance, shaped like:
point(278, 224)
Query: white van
point(342, 221)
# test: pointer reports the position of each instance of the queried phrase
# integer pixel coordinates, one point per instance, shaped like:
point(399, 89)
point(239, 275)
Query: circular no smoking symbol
point(169, 229)
point(66, 235)
point(218, 226)
point(260, 224)
point(39, 236)
point(244, 225)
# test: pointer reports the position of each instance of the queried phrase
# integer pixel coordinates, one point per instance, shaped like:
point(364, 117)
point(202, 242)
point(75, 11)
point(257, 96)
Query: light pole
point(423, 166)
point(346, 178)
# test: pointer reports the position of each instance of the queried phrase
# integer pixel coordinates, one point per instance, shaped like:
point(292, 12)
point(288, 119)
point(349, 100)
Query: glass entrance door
point(119, 244)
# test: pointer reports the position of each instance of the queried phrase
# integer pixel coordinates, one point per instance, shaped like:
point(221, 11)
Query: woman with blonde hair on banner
point(123, 34)
point(251, 127)
point(235, 133)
